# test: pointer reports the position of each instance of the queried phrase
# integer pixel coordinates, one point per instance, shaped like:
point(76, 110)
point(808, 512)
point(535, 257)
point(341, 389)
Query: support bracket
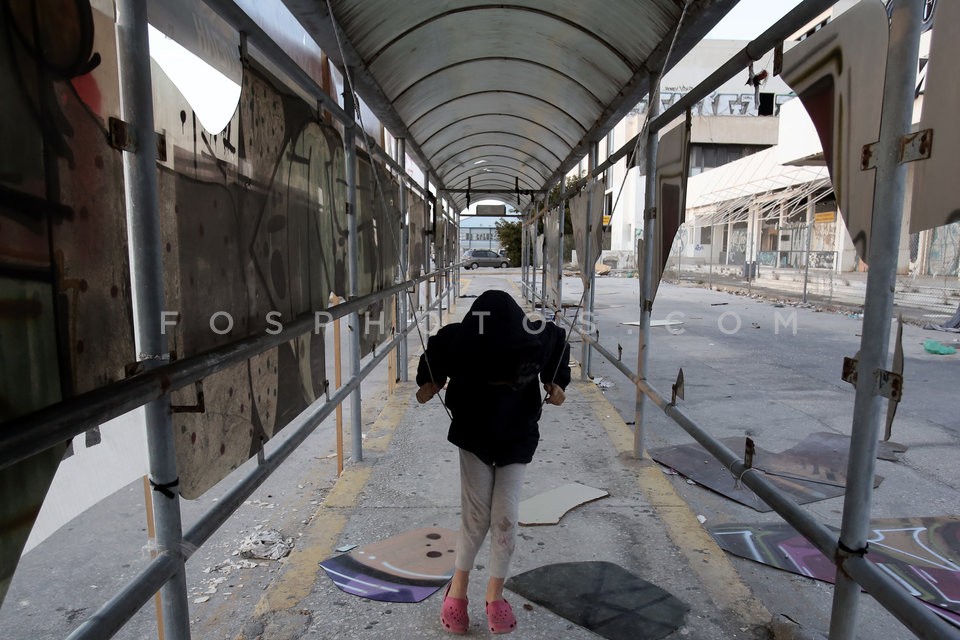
point(888, 384)
point(198, 407)
point(122, 135)
point(913, 147)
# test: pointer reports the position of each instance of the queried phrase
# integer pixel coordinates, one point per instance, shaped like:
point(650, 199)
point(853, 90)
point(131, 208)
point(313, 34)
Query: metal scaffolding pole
point(524, 262)
point(647, 285)
point(543, 266)
point(532, 232)
point(427, 242)
point(563, 212)
point(402, 355)
point(353, 266)
point(440, 258)
point(146, 275)
point(898, 99)
point(456, 273)
point(590, 265)
point(586, 268)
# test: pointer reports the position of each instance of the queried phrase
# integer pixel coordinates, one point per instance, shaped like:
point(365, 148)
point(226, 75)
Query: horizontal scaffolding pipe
point(118, 610)
point(910, 611)
point(122, 607)
point(27, 435)
point(301, 427)
point(795, 19)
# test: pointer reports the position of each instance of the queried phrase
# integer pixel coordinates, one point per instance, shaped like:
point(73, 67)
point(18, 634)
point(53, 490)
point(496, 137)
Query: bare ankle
point(459, 584)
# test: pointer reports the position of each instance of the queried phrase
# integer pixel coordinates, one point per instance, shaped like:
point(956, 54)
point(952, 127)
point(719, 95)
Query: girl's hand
point(555, 394)
point(427, 391)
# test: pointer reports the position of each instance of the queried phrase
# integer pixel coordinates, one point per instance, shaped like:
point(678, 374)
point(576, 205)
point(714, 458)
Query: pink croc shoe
point(500, 617)
point(453, 615)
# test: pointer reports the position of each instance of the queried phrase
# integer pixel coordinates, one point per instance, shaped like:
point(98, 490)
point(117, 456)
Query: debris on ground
point(938, 348)
point(267, 544)
point(603, 383)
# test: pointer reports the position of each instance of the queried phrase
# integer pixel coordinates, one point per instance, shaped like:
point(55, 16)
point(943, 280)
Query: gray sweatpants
point(490, 500)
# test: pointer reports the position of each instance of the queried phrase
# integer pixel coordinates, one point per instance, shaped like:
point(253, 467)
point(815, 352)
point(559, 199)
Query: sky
point(750, 18)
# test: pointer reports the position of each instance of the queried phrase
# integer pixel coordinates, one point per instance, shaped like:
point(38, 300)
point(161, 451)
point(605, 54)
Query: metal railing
point(910, 611)
point(847, 551)
point(106, 621)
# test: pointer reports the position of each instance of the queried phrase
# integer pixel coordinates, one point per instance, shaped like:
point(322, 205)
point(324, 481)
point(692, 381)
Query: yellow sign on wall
point(606, 220)
point(826, 216)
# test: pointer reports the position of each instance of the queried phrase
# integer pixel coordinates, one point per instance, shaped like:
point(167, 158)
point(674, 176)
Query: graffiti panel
point(592, 196)
point(378, 241)
point(922, 554)
point(65, 310)
point(934, 201)
point(673, 159)
point(838, 75)
point(255, 231)
point(551, 256)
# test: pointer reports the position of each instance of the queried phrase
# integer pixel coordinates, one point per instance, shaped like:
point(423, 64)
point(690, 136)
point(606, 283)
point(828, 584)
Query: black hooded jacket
point(493, 360)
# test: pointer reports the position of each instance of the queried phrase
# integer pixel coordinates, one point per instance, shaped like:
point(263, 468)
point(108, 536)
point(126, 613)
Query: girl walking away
point(493, 360)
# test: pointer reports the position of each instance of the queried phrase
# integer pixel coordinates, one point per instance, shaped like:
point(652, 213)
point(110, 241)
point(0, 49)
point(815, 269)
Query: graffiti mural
point(253, 224)
point(65, 309)
point(922, 554)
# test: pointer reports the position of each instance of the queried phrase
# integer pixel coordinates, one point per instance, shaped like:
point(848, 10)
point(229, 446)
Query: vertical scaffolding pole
point(404, 298)
point(353, 267)
point(589, 263)
point(647, 284)
point(898, 99)
point(524, 261)
point(563, 212)
point(543, 263)
point(811, 216)
point(427, 245)
point(146, 276)
point(532, 231)
point(456, 282)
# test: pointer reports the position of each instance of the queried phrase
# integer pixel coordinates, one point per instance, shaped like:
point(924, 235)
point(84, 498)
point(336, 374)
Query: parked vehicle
point(475, 258)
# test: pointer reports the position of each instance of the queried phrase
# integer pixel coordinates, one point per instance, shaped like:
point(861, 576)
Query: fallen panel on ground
point(603, 598)
point(923, 554)
point(812, 470)
point(408, 567)
point(549, 506)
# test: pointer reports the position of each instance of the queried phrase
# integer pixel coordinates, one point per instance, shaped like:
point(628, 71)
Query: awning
point(758, 183)
point(503, 95)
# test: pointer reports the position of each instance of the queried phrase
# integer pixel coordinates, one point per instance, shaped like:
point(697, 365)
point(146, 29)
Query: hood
point(496, 342)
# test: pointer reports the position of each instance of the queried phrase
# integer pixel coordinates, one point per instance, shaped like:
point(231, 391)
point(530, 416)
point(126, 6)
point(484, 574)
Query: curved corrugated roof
point(499, 95)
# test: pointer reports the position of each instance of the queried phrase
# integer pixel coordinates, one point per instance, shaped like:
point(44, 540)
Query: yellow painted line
point(302, 566)
point(705, 557)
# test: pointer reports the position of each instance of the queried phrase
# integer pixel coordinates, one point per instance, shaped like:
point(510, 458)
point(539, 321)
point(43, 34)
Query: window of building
point(709, 156)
